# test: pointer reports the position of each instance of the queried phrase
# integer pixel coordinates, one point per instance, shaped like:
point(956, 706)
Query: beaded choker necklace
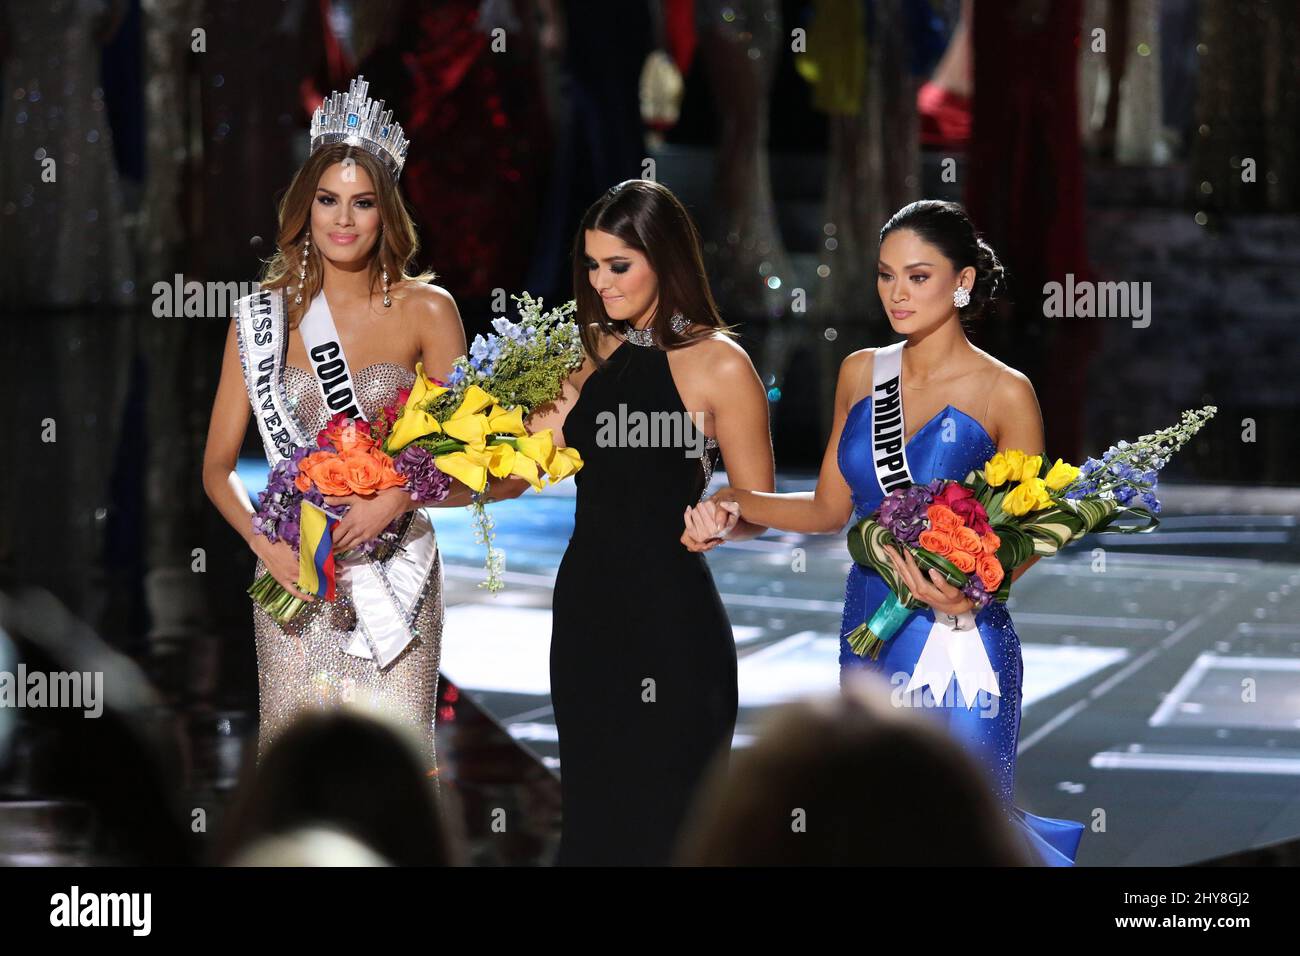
point(645, 337)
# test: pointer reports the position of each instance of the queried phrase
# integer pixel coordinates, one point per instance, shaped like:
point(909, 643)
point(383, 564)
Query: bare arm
point(738, 402)
point(226, 428)
point(826, 509)
point(1013, 408)
point(229, 421)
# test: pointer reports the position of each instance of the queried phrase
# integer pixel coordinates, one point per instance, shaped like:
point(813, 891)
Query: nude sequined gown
point(303, 664)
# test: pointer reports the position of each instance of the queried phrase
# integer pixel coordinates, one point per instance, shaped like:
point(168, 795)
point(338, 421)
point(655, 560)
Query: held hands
point(709, 523)
point(367, 517)
point(932, 589)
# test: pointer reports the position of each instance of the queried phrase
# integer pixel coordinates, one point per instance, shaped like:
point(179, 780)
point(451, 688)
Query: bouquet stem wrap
point(868, 540)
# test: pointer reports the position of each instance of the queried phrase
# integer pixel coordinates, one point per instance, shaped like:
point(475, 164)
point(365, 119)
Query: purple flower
point(974, 590)
point(902, 512)
point(424, 480)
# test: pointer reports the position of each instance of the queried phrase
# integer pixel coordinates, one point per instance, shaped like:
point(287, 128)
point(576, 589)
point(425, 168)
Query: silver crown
point(358, 120)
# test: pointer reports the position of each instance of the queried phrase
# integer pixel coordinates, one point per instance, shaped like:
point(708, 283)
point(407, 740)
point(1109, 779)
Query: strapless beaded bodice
point(303, 664)
point(376, 387)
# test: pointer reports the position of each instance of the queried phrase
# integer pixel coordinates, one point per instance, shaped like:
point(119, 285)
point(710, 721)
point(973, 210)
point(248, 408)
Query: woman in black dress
point(643, 664)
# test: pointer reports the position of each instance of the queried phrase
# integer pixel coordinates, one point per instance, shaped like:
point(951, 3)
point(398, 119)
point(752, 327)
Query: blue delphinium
point(1130, 470)
point(484, 352)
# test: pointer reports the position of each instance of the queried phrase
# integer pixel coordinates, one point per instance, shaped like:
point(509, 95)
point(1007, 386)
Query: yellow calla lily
point(539, 447)
point(414, 421)
point(474, 401)
point(412, 425)
point(423, 388)
point(505, 460)
point(565, 462)
point(470, 467)
point(502, 422)
point(472, 429)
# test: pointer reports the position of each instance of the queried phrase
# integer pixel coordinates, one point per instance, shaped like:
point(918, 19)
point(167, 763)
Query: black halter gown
point(643, 662)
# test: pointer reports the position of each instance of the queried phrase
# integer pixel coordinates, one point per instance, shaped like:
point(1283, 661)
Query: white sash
point(888, 450)
point(328, 361)
point(947, 652)
point(386, 594)
point(263, 343)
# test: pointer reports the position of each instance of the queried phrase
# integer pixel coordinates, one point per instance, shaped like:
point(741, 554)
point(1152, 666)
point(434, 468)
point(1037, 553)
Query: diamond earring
point(961, 297)
point(302, 269)
point(387, 301)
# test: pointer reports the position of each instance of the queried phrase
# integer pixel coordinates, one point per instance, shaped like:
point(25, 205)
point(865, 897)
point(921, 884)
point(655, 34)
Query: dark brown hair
point(346, 770)
point(878, 784)
point(648, 217)
point(947, 227)
point(394, 250)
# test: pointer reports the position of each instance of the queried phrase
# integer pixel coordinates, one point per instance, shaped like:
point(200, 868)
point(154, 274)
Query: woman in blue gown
point(961, 406)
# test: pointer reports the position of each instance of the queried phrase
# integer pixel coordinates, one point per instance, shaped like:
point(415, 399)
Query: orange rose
point(303, 481)
point(363, 472)
point(964, 560)
point(939, 542)
point(990, 571)
point(965, 539)
point(943, 518)
point(990, 542)
point(331, 477)
point(389, 478)
point(347, 437)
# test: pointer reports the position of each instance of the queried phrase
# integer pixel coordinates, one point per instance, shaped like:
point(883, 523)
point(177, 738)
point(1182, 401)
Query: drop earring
point(387, 301)
point(302, 269)
point(961, 297)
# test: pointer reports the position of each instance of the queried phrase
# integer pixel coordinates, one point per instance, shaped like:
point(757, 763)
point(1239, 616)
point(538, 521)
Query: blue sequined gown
point(949, 445)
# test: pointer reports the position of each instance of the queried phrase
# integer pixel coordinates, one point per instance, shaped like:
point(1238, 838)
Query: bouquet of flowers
point(346, 461)
point(977, 531)
point(472, 426)
point(435, 432)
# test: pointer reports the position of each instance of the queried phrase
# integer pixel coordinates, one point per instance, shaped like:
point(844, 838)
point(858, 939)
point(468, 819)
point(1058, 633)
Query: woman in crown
point(338, 326)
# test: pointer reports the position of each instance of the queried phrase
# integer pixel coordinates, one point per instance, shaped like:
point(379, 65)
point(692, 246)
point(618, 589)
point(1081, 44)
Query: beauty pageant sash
point(947, 652)
point(385, 594)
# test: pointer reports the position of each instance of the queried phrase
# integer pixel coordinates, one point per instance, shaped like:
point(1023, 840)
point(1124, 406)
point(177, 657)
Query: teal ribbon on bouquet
point(868, 540)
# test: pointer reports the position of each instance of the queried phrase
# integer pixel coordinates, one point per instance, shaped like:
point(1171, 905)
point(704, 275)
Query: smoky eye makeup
point(618, 268)
point(327, 199)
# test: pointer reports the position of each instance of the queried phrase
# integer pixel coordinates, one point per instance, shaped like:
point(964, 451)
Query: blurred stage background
point(1164, 154)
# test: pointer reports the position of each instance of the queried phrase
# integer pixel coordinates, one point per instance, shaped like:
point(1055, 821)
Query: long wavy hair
point(394, 250)
point(648, 217)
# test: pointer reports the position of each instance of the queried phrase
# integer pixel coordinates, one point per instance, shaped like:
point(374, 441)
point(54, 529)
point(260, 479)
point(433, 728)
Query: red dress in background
point(478, 141)
point(1025, 193)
